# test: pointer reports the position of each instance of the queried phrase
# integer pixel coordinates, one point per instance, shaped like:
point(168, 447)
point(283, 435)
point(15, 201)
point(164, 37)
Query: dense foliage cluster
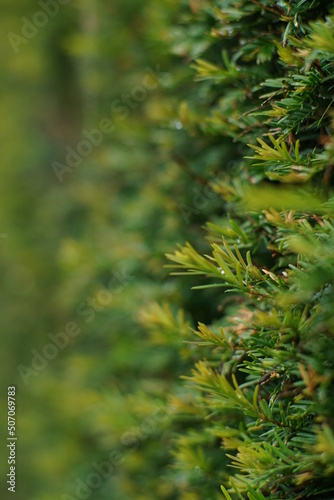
point(216, 382)
point(259, 414)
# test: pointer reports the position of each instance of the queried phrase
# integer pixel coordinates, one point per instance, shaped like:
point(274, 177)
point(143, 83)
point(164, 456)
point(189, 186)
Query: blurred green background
point(83, 247)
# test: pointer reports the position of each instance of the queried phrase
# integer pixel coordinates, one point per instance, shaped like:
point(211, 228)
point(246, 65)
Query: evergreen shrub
point(255, 412)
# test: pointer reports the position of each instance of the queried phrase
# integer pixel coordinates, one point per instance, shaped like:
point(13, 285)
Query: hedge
point(256, 408)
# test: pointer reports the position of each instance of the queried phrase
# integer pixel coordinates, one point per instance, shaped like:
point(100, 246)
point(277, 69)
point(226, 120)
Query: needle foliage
point(256, 406)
